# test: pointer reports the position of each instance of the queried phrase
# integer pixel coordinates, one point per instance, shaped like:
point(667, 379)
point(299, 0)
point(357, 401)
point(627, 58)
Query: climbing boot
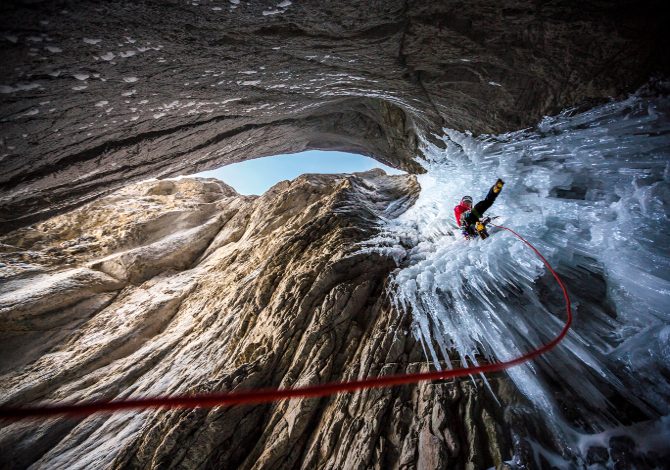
point(498, 186)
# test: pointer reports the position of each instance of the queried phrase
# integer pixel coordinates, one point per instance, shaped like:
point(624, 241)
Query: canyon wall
point(181, 287)
point(113, 286)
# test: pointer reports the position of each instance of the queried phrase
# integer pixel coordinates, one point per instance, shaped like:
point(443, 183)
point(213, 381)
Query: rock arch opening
point(79, 169)
point(254, 177)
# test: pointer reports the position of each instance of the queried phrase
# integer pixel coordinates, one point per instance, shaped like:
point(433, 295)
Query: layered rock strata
point(181, 287)
point(96, 95)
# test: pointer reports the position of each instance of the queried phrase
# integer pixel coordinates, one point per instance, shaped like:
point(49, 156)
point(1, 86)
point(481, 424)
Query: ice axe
point(480, 226)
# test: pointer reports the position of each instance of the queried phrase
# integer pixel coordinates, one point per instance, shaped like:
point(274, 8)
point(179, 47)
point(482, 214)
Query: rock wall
point(95, 95)
point(173, 287)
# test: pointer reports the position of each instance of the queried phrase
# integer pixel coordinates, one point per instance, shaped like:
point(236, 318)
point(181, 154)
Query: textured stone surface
point(96, 95)
point(280, 295)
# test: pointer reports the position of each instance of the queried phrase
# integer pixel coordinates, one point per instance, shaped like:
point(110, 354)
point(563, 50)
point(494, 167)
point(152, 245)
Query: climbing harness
point(267, 395)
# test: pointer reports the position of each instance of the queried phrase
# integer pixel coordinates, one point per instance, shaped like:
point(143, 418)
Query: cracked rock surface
point(96, 95)
point(179, 287)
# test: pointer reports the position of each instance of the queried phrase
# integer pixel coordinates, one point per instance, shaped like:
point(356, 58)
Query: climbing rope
point(271, 394)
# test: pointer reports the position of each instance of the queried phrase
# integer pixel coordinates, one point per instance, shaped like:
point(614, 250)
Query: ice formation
point(591, 190)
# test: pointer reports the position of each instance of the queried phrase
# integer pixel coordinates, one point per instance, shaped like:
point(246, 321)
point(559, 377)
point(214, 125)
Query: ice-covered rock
point(591, 190)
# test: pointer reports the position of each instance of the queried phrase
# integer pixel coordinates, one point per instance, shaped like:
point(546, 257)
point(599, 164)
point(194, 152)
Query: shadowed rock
point(98, 95)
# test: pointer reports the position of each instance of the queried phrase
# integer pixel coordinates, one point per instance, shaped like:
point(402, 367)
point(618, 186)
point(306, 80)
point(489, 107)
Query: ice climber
point(468, 218)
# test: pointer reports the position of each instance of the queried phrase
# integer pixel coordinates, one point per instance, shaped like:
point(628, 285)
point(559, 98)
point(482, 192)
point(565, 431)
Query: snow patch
point(100, 104)
point(108, 56)
point(92, 41)
point(130, 79)
point(18, 87)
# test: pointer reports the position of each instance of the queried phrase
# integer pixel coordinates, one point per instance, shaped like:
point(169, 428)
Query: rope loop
point(267, 395)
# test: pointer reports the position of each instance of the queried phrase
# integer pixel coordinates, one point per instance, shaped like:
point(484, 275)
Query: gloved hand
point(464, 218)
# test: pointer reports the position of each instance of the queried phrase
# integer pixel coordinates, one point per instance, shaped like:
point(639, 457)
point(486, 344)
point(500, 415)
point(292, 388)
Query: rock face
point(94, 96)
point(173, 287)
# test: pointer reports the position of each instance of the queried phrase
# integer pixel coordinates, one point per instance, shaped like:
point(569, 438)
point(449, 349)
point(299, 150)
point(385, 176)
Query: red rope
point(271, 394)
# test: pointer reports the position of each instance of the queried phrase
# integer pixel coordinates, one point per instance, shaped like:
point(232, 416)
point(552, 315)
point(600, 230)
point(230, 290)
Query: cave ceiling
point(95, 95)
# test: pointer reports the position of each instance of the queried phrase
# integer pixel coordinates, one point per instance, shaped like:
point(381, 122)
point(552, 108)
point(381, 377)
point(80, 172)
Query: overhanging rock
point(95, 96)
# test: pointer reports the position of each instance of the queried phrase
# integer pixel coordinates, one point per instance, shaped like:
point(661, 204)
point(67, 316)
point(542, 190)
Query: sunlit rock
point(281, 296)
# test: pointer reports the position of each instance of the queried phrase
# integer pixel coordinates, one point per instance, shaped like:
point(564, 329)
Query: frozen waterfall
point(591, 190)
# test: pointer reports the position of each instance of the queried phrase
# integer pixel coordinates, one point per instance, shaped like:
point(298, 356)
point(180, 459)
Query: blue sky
point(258, 175)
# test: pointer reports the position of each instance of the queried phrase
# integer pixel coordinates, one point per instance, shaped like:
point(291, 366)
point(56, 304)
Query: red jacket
point(458, 210)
